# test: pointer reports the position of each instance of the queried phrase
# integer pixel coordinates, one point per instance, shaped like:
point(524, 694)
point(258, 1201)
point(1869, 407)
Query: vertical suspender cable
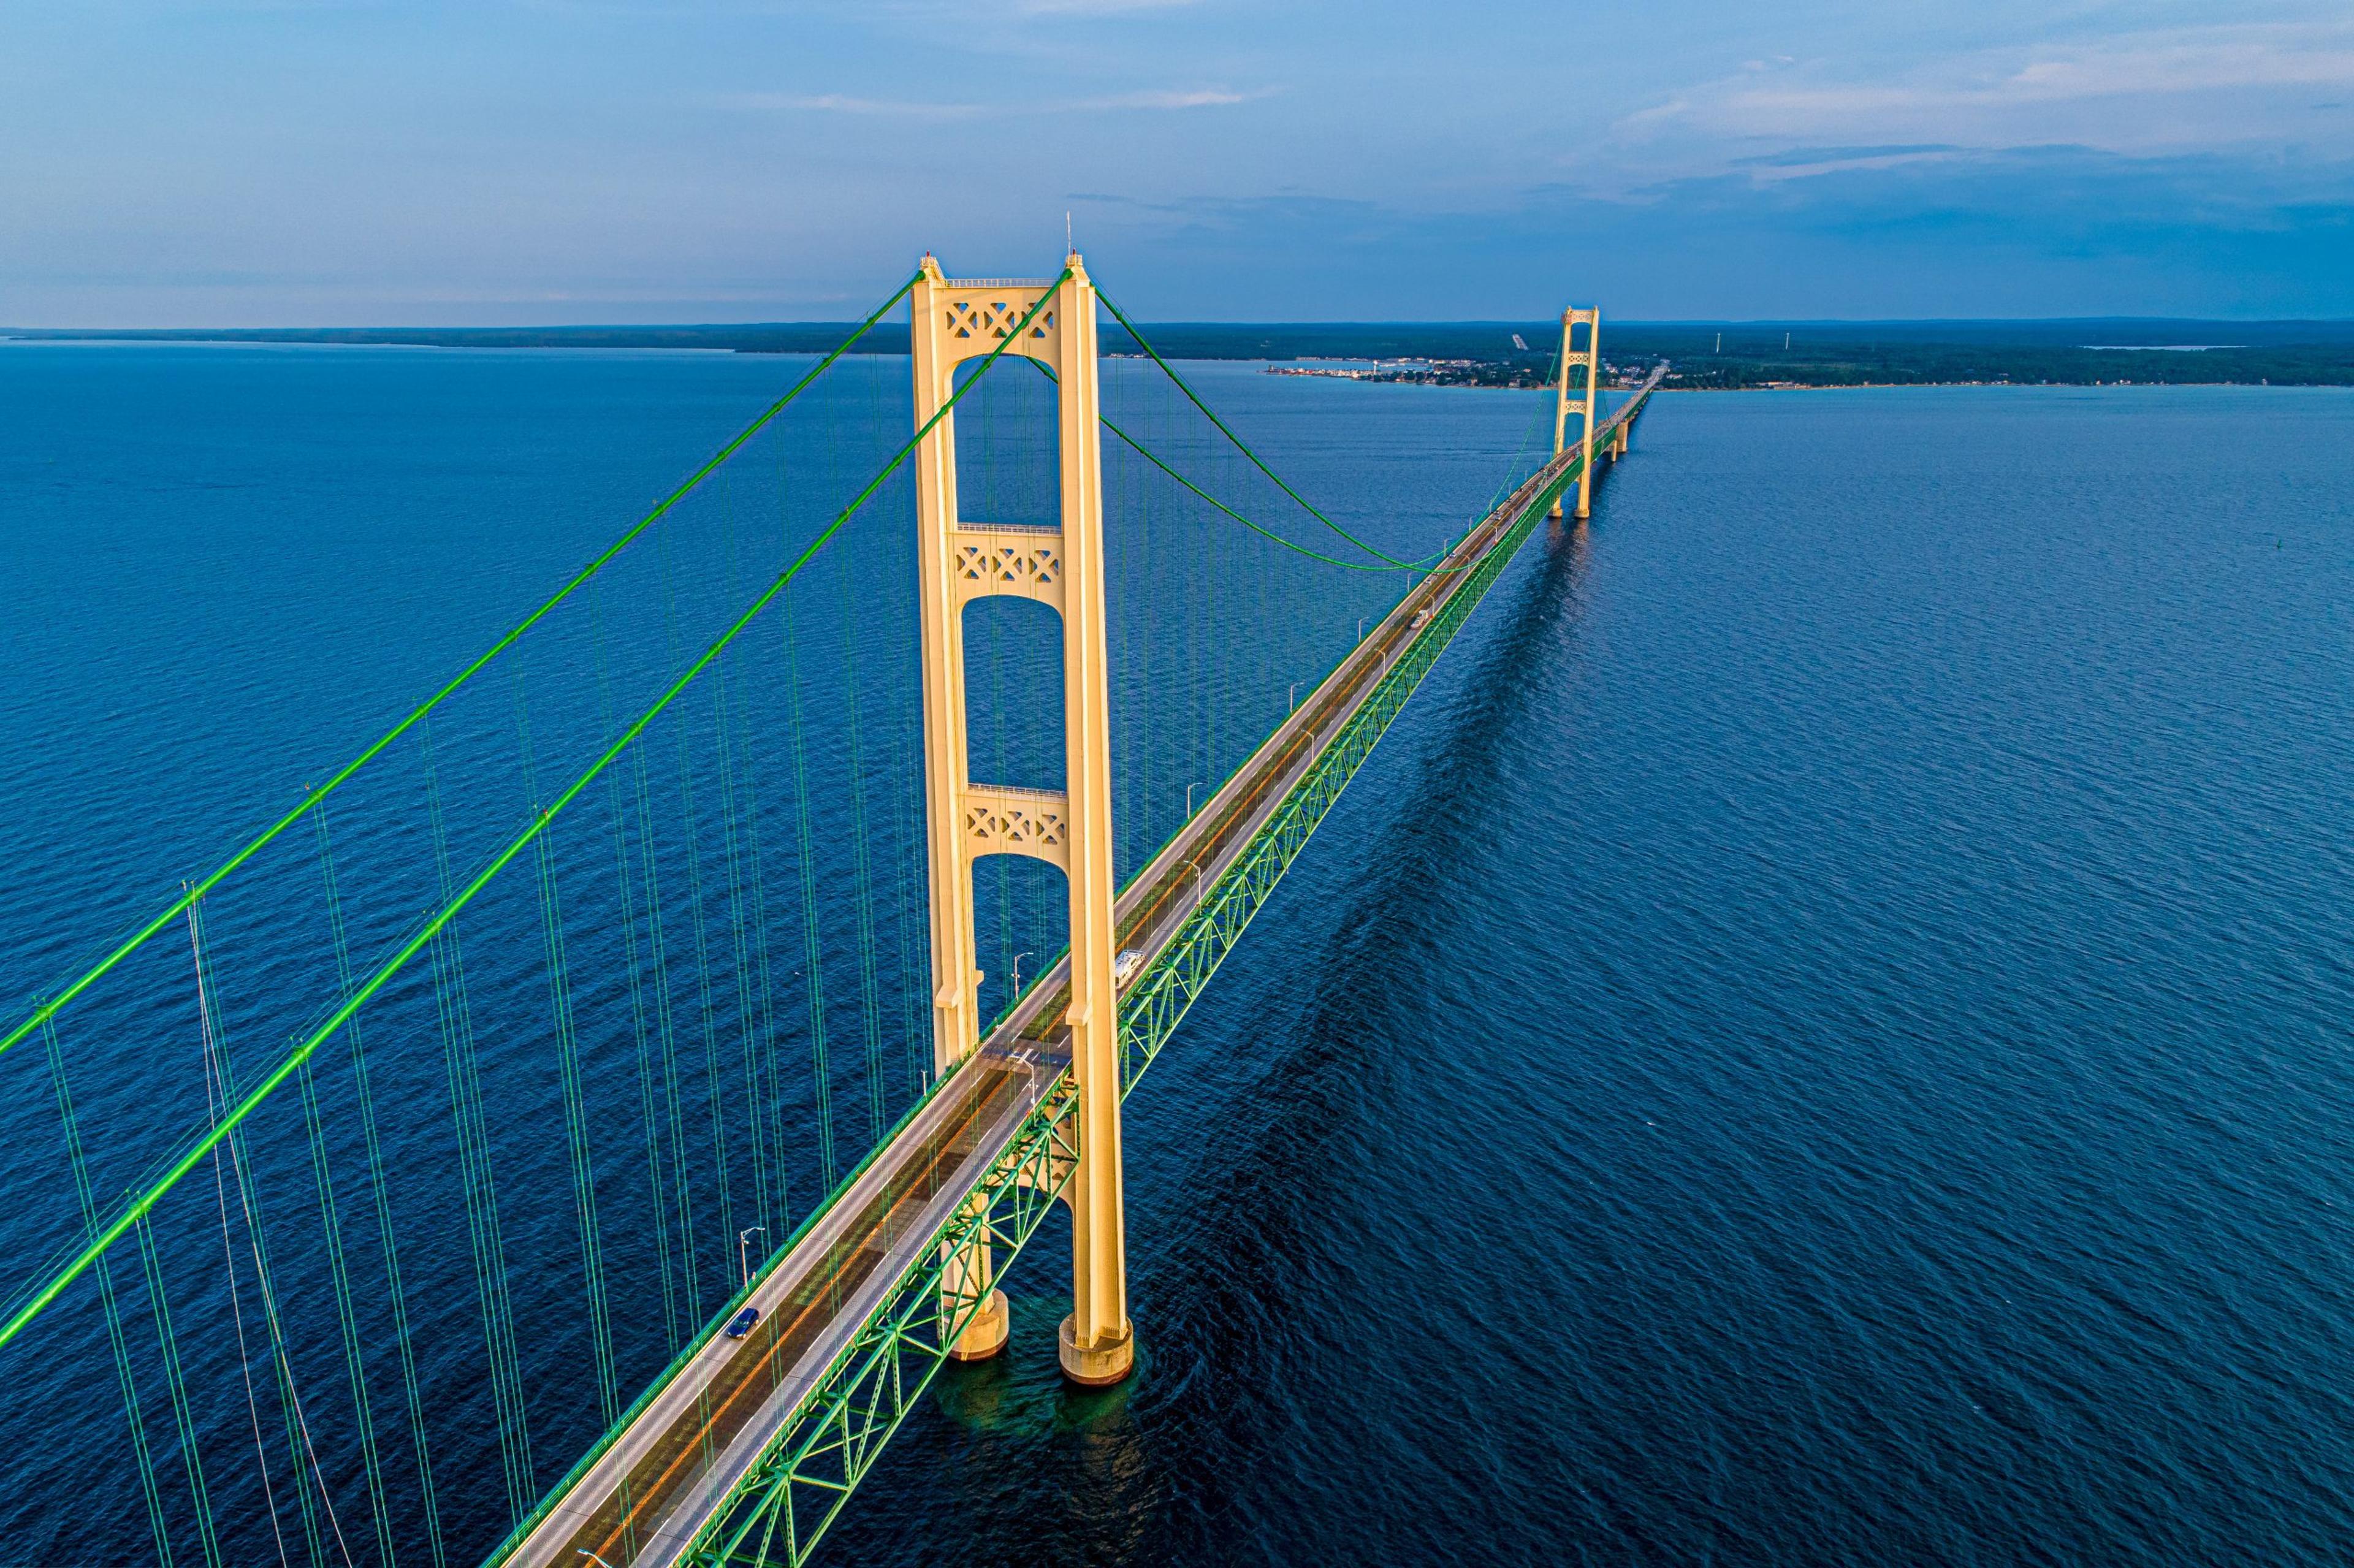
point(682, 1192)
point(221, 1080)
point(380, 1188)
point(805, 864)
point(183, 1421)
point(748, 1035)
point(870, 994)
point(692, 828)
point(568, 1080)
point(617, 806)
point(339, 1275)
point(488, 1245)
point(132, 1409)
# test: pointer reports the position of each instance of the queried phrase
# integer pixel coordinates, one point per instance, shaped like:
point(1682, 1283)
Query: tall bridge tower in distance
point(953, 321)
point(1564, 405)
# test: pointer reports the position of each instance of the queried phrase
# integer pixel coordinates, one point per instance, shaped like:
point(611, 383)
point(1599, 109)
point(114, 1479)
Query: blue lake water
point(1820, 1037)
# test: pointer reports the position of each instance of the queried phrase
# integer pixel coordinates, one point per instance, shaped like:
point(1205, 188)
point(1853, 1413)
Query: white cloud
point(1202, 98)
point(2149, 92)
point(845, 103)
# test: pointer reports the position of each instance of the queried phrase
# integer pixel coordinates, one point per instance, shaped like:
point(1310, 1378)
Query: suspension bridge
point(569, 975)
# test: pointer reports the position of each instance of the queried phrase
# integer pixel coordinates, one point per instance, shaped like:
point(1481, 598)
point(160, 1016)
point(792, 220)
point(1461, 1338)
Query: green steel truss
point(824, 1448)
point(807, 1473)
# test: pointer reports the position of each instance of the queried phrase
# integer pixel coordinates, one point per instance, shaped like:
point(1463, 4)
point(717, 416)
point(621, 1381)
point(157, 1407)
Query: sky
point(196, 162)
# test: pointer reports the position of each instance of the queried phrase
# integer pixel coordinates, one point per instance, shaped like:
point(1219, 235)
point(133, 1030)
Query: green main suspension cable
point(252, 1099)
point(1512, 475)
point(1154, 458)
point(1244, 447)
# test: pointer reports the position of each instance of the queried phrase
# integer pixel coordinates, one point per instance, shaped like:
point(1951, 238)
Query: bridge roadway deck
point(641, 1502)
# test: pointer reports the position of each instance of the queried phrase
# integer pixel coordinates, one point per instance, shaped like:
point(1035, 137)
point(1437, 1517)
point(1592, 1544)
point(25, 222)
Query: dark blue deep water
point(1821, 1037)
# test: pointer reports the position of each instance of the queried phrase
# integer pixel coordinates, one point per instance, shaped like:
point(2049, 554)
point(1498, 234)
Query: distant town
point(1523, 375)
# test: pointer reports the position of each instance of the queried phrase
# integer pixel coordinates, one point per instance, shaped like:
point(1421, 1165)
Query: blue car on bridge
point(741, 1324)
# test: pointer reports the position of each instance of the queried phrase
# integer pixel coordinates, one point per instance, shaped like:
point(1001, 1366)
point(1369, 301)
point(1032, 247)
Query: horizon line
point(816, 322)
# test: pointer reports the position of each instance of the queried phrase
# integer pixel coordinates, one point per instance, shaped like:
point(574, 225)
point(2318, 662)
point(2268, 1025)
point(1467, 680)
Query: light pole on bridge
point(744, 1251)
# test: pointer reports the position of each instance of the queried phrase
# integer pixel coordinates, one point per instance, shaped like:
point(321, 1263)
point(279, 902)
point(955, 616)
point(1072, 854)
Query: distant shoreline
point(1706, 356)
point(1895, 386)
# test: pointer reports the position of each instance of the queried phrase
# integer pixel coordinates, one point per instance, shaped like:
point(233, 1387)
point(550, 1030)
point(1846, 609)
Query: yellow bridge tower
point(1564, 405)
point(953, 321)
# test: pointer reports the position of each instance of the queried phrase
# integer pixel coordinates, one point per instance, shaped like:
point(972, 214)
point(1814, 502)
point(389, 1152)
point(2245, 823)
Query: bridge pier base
point(1100, 1365)
point(986, 1334)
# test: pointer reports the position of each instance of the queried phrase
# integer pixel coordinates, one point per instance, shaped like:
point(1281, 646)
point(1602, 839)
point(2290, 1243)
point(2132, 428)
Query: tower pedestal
point(1099, 1365)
